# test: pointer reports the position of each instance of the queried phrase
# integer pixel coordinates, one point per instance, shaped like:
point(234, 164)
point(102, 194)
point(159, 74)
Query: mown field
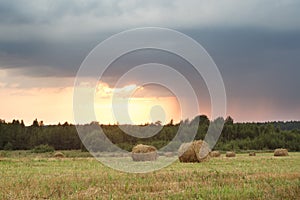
point(38, 176)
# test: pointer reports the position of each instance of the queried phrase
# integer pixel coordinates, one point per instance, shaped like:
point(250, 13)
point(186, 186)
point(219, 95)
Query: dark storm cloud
point(259, 58)
point(258, 66)
point(59, 34)
point(63, 58)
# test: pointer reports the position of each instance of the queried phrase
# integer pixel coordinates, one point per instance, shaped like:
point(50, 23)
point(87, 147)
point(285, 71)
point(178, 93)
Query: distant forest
point(235, 136)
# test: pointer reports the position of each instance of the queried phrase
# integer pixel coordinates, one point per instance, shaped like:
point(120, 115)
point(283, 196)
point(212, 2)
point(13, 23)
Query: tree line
point(235, 136)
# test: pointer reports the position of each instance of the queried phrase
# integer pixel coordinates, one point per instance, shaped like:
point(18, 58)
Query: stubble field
point(38, 176)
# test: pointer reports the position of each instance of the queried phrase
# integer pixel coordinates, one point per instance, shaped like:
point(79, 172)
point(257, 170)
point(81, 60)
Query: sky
point(254, 43)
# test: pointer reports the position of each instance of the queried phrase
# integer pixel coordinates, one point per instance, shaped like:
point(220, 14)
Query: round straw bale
point(215, 154)
point(201, 149)
point(58, 155)
point(252, 154)
point(230, 154)
point(186, 153)
point(196, 151)
point(144, 153)
point(168, 154)
point(281, 152)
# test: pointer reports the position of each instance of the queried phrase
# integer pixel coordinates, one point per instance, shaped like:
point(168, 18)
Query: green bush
point(125, 146)
point(8, 146)
point(43, 148)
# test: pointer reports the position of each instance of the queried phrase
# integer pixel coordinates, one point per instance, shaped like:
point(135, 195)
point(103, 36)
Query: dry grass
point(259, 177)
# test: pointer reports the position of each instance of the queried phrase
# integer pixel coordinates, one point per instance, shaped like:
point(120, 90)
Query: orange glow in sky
point(50, 99)
point(53, 104)
point(139, 110)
